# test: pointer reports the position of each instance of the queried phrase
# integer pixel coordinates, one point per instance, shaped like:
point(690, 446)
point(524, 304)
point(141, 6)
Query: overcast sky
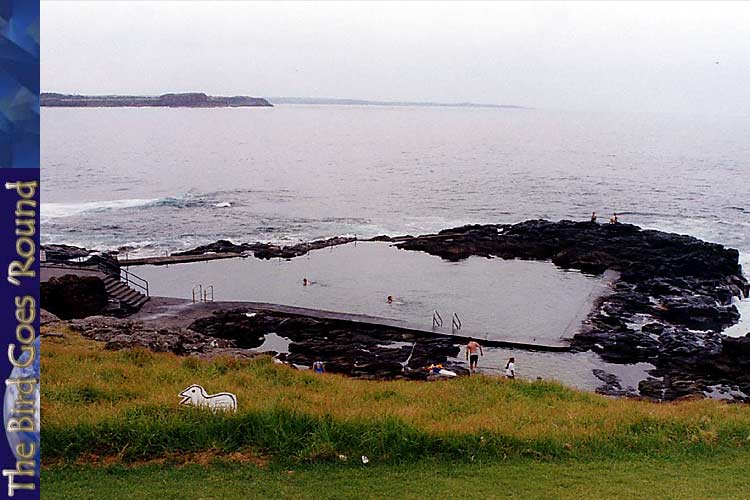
point(673, 57)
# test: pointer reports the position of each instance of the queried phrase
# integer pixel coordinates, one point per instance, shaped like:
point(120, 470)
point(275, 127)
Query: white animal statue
point(196, 395)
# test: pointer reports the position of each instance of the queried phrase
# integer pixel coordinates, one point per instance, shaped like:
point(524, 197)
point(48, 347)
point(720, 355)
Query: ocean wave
point(61, 210)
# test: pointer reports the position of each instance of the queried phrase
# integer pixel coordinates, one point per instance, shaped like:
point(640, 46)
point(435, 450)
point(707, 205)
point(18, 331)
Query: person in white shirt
point(510, 368)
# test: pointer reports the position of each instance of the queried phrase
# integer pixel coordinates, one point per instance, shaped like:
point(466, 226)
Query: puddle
point(274, 342)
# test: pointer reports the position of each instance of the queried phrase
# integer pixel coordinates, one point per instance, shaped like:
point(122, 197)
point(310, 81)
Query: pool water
point(493, 298)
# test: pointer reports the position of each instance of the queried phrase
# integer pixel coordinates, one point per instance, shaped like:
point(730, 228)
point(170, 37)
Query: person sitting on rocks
point(318, 367)
point(473, 350)
point(593, 217)
point(510, 368)
point(613, 219)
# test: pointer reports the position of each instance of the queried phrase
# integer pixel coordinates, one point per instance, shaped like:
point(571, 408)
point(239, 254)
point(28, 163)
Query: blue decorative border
point(19, 248)
point(19, 83)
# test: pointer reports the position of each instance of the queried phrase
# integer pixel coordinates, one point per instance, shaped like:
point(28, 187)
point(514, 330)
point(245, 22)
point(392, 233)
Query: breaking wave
point(61, 210)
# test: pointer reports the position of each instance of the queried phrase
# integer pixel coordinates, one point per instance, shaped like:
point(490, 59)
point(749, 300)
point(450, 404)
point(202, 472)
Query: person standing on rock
point(473, 350)
point(510, 368)
point(593, 217)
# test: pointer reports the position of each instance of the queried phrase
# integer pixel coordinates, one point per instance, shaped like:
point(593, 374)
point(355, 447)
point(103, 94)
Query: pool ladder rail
point(437, 321)
point(455, 323)
point(203, 294)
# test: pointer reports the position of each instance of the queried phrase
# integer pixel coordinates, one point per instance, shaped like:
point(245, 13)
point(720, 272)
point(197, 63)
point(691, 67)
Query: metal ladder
point(437, 321)
point(455, 323)
point(203, 295)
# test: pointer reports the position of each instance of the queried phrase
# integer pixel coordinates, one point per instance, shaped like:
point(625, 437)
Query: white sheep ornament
point(195, 395)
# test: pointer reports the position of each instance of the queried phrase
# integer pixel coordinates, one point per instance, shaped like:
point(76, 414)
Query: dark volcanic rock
point(64, 253)
point(127, 334)
point(104, 262)
point(267, 250)
point(221, 246)
point(71, 296)
point(699, 312)
point(237, 326)
point(350, 348)
point(678, 287)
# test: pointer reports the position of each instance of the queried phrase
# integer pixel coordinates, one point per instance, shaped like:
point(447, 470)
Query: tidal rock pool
point(493, 298)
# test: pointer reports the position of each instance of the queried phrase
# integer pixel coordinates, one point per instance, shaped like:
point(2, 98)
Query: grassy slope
point(123, 407)
point(718, 477)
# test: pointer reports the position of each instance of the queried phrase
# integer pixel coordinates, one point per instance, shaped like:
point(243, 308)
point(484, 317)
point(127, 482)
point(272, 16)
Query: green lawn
point(720, 476)
point(516, 439)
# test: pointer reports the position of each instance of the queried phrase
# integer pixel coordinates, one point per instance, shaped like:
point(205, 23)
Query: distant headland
point(333, 101)
point(184, 100)
point(201, 100)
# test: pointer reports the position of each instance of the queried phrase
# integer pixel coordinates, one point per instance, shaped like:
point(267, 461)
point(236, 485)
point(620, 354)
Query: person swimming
point(305, 282)
point(389, 299)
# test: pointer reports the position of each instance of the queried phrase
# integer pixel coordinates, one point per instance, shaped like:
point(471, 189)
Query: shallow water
point(493, 298)
point(571, 369)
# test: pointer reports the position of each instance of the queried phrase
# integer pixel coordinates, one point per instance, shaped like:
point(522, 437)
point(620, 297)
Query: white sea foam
point(742, 327)
point(59, 210)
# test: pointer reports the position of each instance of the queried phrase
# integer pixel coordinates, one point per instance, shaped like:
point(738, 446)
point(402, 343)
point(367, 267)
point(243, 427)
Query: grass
point(723, 477)
point(113, 419)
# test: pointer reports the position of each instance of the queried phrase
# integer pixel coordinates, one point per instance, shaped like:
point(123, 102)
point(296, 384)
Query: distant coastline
point(201, 100)
point(333, 101)
point(183, 100)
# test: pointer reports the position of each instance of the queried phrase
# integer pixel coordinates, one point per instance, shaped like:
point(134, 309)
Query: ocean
point(160, 180)
point(154, 181)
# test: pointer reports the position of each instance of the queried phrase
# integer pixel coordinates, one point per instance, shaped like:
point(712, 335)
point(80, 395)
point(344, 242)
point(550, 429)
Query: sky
point(672, 57)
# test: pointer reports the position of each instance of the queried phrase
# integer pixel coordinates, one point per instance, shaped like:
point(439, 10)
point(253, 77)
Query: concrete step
point(117, 290)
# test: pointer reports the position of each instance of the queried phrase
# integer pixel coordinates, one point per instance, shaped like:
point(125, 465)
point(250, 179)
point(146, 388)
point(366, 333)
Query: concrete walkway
point(180, 312)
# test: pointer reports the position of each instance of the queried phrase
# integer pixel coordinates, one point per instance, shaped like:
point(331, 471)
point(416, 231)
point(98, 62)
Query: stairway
point(129, 298)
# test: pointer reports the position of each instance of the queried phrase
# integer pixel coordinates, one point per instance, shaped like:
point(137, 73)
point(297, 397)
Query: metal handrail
point(125, 276)
point(200, 292)
point(437, 321)
point(455, 323)
point(205, 293)
point(130, 278)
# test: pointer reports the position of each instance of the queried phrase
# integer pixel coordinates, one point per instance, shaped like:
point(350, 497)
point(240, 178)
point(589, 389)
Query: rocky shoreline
point(669, 306)
point(671, 302)
point(353, 349)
